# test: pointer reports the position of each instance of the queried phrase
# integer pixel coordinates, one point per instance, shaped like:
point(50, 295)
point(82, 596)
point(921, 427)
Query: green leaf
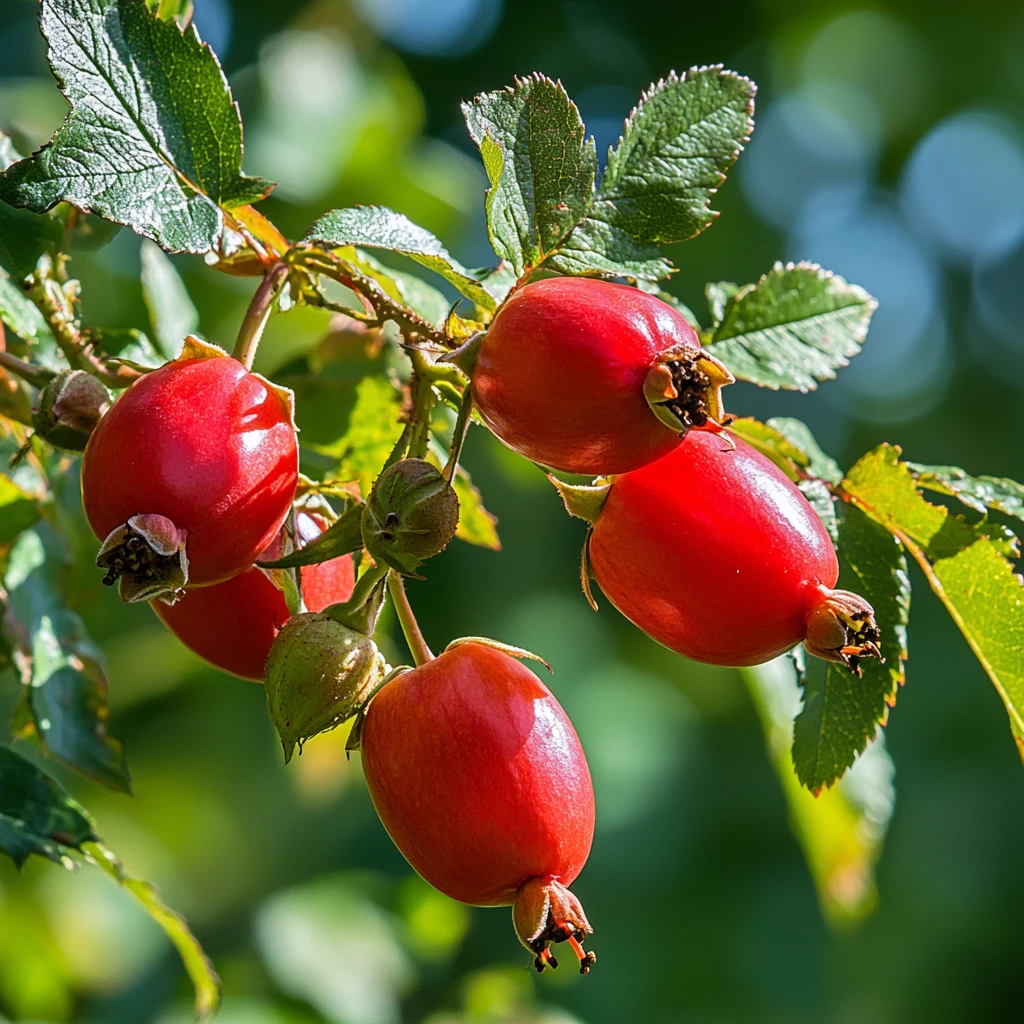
point(798, 434)
point(36, 814)
point(718, 295)
point(790, 444)
point(598, 247)
point(771, 443)
point(340, 538)
point(18, 510)
point(842, 712)
point(171, 311)
point(181, 10)
point(131, 345)
point(21, 315)
point(540, 165)
point(675, 149)
point(373, 429)
point(821, 500)
point(793, 328)
point(153, 140)
point(377, 227)
point(977, 492)
point(201, 972)
point(65, 690)
point(497, 280)
point(24, 237)
point(842, 830)
point(965, 567)
point(476, 525)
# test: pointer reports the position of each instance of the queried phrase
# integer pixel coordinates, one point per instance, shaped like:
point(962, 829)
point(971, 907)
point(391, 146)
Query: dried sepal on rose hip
point(716, 554)
point(203, 445)
point(412, 514)
point(480, 780)
point(232, 624)
point(592, 377)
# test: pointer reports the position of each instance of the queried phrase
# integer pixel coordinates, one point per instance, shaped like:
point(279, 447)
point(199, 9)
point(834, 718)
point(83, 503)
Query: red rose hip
point(479, 778)
point(190, 475)
point(588, 376)
point(232, 625)
point(716, 554)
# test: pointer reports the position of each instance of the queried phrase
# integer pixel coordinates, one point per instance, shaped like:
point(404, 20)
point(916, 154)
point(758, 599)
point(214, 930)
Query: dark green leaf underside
point(65, 693)
point(36, 814)
point(841, 712)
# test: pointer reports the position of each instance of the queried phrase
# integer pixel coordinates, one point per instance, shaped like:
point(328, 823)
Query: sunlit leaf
point(842, 830)
point(18, 510)
point(965, 566)
point(373, 429)
point(36, 814)
point(790, 445)
point(796, 326)
point(377, 227)
point(181, 10)
point(153, 140)
point(977, 492)
point(771, 443)
point(131, 345)
point(476, 526)
point(798, 434)
point(21, 315)
point(823, 502)
point(540, 165)
point(685, 133)
point(842, 712)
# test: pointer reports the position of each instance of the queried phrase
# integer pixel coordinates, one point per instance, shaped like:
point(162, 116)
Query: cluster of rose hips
point(190, 480)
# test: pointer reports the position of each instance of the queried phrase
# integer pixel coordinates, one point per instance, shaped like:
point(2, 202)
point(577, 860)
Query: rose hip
point(479, 778)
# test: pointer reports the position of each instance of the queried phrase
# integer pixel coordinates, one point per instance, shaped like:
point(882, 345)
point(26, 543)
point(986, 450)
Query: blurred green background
point(890, 148)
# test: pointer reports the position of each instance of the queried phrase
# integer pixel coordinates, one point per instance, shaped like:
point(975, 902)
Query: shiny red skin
point(560, 374)
point(206, 444)
point(713, 552)
point(478, 776)
point(232, 624)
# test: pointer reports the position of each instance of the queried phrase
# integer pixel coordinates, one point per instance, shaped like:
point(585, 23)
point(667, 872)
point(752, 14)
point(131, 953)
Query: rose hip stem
point(258, 313)
point(421, 653)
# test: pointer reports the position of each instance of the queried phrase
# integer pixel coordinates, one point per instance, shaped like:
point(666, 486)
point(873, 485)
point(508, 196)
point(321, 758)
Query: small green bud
point(319, 673)
point(70, 406)
point(412, 514)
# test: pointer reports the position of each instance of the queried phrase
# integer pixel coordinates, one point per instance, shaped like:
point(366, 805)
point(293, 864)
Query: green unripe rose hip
point(318, 674)
point(411, 515)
